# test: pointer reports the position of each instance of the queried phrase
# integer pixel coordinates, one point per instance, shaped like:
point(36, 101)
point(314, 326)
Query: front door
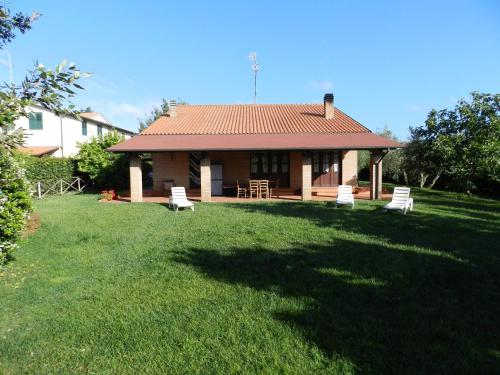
point(325, 168)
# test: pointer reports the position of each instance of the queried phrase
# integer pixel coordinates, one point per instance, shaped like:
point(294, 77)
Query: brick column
point(135, 178)
point(206, 180)
point(376, 175)
point(306, 177)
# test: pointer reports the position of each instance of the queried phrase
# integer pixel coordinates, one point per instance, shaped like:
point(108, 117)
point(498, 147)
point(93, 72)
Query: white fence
point(59, 187)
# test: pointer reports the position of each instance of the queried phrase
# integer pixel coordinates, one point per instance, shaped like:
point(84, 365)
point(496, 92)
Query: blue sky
point(387, 62)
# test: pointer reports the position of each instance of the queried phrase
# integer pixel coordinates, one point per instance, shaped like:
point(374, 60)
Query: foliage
point(48, 88)
point(155, 114)
point(45, 87)
point(275, 288)
point(108, 195)
point(462, 144)
point(391, 165)
point(85, 109)
point(48, 170)
point(103, 168)
point(10, 24)
point(15, 203)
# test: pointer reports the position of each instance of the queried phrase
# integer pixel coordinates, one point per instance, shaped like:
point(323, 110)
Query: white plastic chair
point(401, 200)
point(344, 196)
point(179, 199)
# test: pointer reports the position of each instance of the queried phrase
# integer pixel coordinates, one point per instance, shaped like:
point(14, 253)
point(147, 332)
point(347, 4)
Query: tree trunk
point(423, 179)
point(405, 175)
point(431, 185)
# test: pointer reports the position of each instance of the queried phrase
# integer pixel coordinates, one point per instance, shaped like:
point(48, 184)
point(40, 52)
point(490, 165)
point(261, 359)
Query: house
point(304, 148)
point(49, 134)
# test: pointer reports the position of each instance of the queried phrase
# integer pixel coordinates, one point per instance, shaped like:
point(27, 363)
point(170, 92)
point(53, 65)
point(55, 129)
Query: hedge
point(48, 170)
point(15, 203)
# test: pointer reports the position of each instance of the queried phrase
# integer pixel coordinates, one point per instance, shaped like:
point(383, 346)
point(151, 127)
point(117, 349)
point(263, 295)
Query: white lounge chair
point(401, 200)
point(344, 196)
point(178, 199)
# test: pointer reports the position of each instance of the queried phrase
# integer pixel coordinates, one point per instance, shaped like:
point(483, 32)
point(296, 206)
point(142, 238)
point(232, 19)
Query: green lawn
point(255, 288)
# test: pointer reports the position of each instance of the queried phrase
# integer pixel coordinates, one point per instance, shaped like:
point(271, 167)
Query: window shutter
point(36, 121)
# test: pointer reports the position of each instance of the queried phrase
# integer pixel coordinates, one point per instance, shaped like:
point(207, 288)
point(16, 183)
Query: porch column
point(306, 176)
point(135, 178)
point(376, 174)
point(206, 180)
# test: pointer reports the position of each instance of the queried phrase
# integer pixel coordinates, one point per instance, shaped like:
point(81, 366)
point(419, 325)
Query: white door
point(216, 175)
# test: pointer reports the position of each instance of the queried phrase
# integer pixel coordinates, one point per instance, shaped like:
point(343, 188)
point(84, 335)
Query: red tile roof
point(39, 150)
point(254, 127)
point(254, 119)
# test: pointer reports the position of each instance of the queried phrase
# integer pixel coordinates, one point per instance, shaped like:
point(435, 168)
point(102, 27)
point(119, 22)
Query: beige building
point(300, 149)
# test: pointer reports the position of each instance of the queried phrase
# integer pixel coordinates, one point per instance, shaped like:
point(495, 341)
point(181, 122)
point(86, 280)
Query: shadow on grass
point(469, 237)
point(387, 310)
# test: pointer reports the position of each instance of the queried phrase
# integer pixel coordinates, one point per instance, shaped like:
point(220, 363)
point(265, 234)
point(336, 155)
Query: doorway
point(326, 168)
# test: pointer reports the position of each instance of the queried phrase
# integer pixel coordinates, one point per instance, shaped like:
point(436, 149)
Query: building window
point(264, 161)
point(274, 163)
point(315, 162)
point(99, 130)
point(326, 162)
point(254, 163)
point(84, 127)
point(284, 163)
point(36, 120)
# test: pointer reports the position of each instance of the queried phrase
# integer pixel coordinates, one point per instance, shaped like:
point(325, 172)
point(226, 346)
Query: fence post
point(61, 187)
point(78, 182)
point(39, 189)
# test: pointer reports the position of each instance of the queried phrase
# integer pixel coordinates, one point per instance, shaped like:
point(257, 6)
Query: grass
point(285, 287)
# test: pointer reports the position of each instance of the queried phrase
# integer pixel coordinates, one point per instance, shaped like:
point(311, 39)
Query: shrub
point(105, 169)
point(15, 203)
point(48, 170)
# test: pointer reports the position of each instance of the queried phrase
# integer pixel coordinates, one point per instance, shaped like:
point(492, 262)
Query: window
point(99, 130)
point(326, 162)
point(36, 120)
point(284, 163)
point(274, 163)
point(264, 161)
point(315, 162)
point(84, 127)
point(254, 163)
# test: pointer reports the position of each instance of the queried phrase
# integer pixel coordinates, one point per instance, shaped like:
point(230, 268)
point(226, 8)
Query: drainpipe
point(62, 137)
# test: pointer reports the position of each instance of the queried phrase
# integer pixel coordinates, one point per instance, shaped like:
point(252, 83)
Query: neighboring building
point(49, 134)
point(305, 148)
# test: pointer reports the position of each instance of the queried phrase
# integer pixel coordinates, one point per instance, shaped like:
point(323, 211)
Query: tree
point(462, 144)
point(391, 167)
point(48, 88)
point(105, 169)
point(155, 114)
point(85, 109)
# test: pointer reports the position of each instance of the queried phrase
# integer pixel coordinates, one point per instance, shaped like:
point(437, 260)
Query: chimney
point(329, 108)
point(172, 108)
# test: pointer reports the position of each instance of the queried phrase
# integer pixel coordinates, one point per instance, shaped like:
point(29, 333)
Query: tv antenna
point(255, 68)
point(8, 63)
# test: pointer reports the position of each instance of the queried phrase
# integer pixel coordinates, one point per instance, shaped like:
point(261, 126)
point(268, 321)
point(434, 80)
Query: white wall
point(51, 135)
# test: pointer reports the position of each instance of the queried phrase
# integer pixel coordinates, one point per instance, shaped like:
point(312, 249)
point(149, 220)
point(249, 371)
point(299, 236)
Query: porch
point(294, 175)
point(360, 193)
